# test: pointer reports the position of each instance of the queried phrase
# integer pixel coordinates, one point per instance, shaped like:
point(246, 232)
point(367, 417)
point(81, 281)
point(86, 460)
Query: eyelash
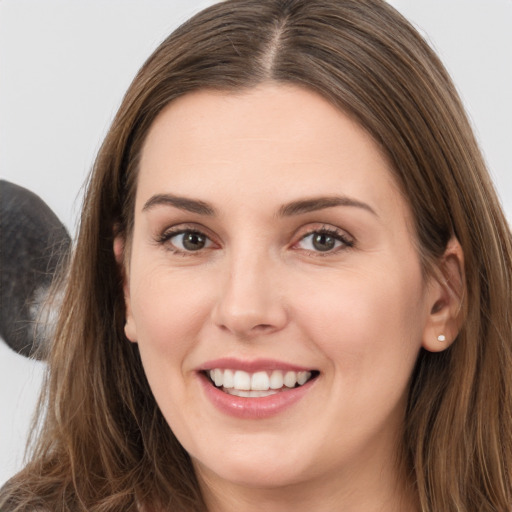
point(166, 236)
point(339, 236)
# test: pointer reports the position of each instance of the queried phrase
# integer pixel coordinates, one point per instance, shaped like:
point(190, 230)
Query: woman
point(291, 285)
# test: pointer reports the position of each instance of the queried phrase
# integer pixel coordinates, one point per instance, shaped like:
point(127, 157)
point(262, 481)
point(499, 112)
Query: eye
point(324, 240)
point(186, 240)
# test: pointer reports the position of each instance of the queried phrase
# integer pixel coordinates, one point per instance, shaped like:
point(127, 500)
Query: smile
point(257, 384)
point(256, 389)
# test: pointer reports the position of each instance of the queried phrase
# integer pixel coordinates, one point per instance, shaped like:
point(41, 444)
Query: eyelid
point(164, 237)
point(341, 235)
point(346, 239)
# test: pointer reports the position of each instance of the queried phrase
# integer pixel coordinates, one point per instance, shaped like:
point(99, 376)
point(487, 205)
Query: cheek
point(361, 321)
point(167, 307)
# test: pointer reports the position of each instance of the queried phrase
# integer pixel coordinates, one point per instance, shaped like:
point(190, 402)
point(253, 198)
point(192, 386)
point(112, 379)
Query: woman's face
point(273, 253)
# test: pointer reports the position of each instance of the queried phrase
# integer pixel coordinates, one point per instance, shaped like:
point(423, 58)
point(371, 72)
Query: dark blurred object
point(33, 245)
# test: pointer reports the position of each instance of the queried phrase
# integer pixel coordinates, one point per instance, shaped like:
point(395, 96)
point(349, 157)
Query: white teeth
point(229, 379)
point(218, 377)
point(242, 380)
point(302, 377)
point(276, 380)
point(290, 379)
point(253, 394)
point(262, 383)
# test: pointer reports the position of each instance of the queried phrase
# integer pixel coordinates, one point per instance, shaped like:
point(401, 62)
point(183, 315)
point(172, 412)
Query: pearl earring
point(441, 338)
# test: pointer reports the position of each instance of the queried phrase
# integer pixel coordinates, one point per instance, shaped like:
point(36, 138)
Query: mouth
point(258, 384)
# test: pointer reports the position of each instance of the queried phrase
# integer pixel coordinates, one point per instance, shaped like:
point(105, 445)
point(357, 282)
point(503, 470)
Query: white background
point(65, 64)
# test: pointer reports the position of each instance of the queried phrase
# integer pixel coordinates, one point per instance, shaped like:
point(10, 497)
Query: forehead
point(275, 141)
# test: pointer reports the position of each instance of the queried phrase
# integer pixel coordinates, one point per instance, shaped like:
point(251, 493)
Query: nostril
point(244, 328)
point(262, 327)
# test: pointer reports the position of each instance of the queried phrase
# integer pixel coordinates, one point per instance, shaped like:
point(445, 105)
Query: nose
point(251, 299)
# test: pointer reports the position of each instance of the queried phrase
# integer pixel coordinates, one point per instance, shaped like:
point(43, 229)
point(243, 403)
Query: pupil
point(323, 242)
point(193, 241)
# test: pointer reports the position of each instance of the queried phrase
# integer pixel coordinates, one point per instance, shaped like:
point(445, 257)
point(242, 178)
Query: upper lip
point(251, 366)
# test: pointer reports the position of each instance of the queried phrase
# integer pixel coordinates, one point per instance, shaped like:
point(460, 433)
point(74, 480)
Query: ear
point(445, 300)
point(120, 256)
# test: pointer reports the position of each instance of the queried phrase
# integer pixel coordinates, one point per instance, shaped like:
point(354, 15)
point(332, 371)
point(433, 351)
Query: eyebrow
point(183, 203)
point(297, 207)
point(302, 206)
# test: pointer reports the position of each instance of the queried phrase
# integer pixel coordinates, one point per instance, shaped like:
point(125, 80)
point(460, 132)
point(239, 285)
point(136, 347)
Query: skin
point(358, 313)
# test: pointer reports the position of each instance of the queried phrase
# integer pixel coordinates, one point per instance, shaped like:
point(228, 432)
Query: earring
point(441, 338)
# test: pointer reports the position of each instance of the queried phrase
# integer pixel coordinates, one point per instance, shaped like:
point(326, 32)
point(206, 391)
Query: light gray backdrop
point(64, 67)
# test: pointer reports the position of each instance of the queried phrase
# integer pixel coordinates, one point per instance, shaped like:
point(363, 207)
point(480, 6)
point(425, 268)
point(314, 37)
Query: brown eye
point(189, 241)
point(323, 242)
point(193, 241)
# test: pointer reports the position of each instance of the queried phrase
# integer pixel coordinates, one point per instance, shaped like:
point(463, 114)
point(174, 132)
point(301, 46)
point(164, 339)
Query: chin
point(268, 474)
point(254, 460)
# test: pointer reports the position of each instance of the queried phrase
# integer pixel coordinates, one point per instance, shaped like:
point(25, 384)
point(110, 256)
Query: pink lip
point(250, 366)
point(255, 407)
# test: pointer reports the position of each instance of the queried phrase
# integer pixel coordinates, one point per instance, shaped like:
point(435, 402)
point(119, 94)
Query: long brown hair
point(103, 445)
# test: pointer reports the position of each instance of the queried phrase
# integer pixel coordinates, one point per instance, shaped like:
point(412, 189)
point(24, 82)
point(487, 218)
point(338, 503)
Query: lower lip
point(255, 407)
